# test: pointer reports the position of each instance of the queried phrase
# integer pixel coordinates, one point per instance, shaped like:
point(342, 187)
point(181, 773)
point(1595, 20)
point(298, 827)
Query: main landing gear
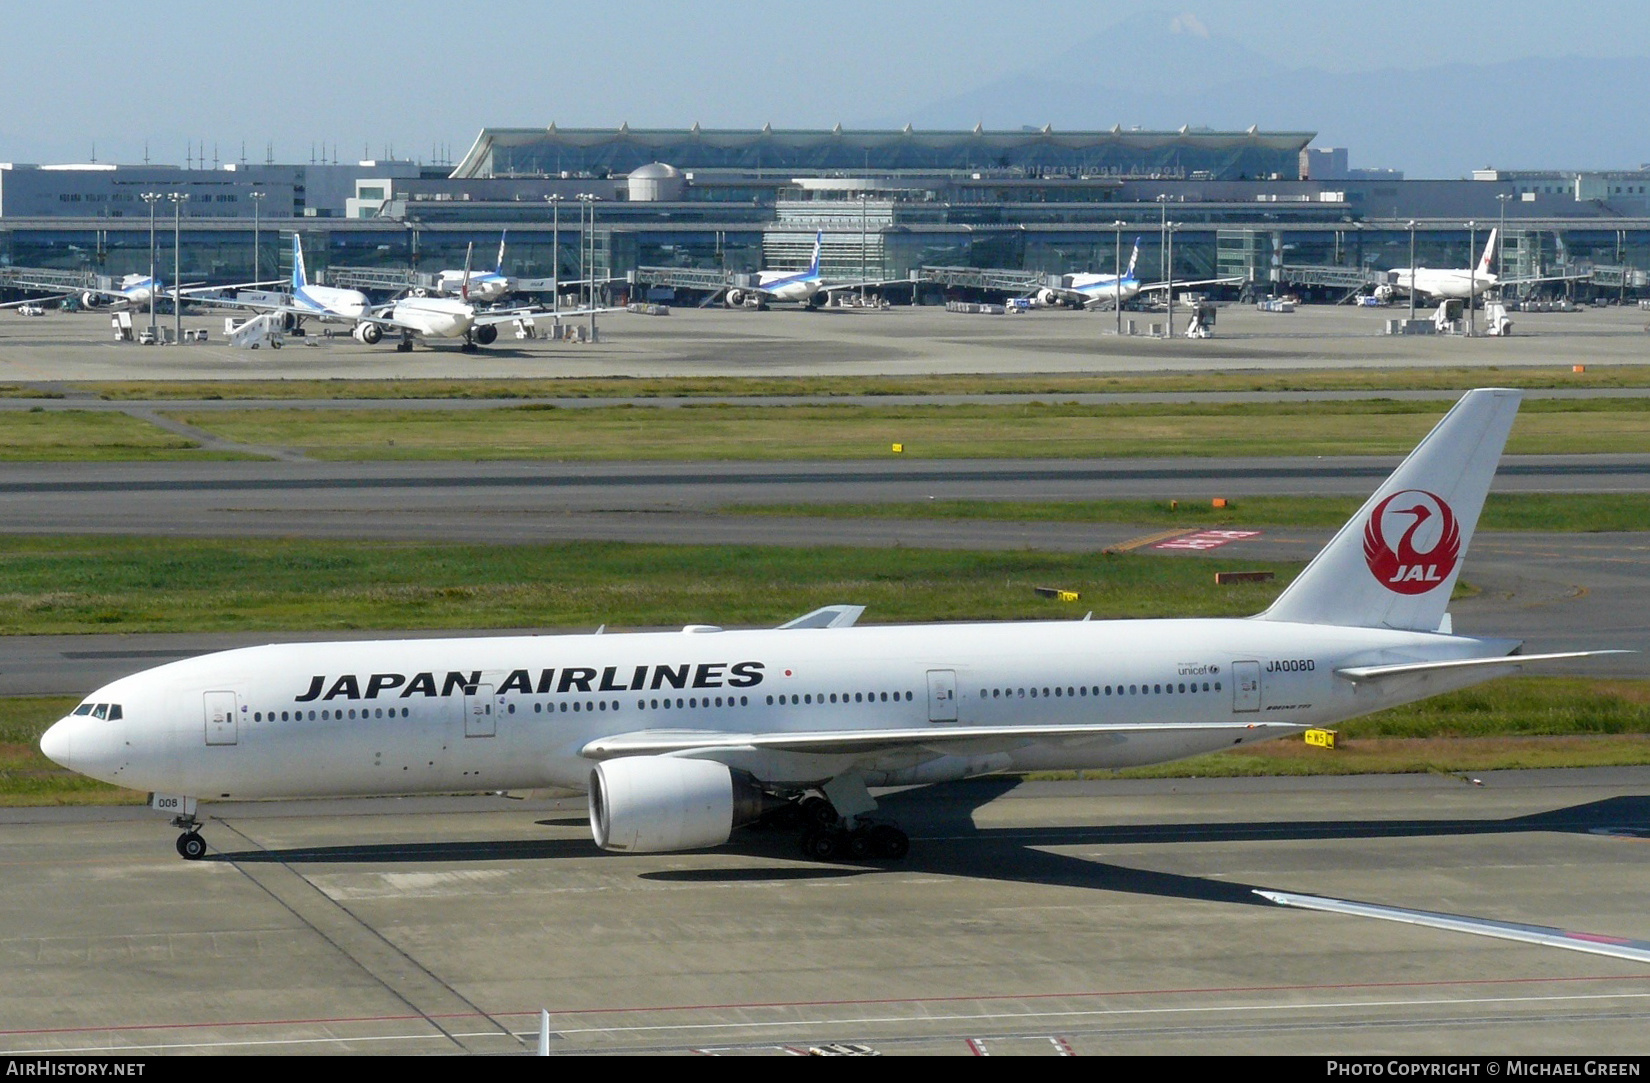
point(827, 835)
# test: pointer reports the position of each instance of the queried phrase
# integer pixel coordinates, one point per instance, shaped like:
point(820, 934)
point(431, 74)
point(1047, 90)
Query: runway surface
point(1037, 919)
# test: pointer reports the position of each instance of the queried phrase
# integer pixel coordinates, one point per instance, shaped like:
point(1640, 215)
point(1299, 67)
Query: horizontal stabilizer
point(1367, 674)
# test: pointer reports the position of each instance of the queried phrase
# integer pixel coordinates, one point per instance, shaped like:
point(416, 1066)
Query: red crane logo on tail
point(1419, 518)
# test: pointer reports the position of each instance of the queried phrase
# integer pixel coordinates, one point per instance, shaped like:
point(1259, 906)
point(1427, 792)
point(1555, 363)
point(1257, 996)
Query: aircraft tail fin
point(1395, 563)
point(464, 287)
point(1489, 250)
point(819, 242)
point(299, 280)
point(1134, 257)
point(499, 270)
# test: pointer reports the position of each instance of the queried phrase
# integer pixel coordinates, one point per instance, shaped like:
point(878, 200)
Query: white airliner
point(794, 287)
point(482, 287)
point(1111, 290)
point(420, 317)
point(800, 287)
point(681, 737)
point(448, 318)
point(1088, 290)
point(304, 300)
point(1443, 283)
point(133, 291)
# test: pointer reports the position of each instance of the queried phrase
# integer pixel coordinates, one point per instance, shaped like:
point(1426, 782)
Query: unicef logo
point(1427, 546)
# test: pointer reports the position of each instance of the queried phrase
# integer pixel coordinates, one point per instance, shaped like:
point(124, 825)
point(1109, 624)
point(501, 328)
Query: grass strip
point(40, 435)
point(61, 585)
point(1458, 378)
point(1555, 512)
point(973, 430)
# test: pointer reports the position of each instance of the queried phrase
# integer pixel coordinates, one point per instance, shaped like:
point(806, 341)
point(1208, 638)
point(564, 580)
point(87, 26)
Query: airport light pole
point(1168, 325)
point(178, 200)
point(257, 204)
point(1472, 276)
point(1117, 275)
point(1412, 269)
point(1163, 237)
point(555, 252)
point(152, 198)
point(864, 233)
point(1501, 233)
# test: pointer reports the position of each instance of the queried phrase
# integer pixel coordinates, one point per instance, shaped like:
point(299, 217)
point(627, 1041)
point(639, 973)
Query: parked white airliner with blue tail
point(480, 287)
point(305, 300)
point(1086, 290)
point(1112, 290)
point(799, 287)
point(681, 737)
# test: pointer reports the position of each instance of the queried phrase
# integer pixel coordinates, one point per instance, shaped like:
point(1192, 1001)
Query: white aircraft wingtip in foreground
point(680, 737)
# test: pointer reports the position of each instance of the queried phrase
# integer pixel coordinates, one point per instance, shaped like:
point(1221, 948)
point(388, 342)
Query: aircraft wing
point(509, 315)
point(1179, 284)
point(33, 301)
point(1529, 280)
point(940, 738)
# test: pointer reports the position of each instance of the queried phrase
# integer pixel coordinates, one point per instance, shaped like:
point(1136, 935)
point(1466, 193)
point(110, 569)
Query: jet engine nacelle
point(652, 804)
point(736, 298)
point(91, 299)
point(1385, 292)
point(485, 334)
point(369, 333)
point(1047, 298)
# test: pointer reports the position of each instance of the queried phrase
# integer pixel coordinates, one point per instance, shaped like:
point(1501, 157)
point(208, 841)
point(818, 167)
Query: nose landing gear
point(191, 847)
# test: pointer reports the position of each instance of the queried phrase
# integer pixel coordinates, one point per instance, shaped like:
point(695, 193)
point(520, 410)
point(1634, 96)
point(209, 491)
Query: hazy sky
point(416, 75)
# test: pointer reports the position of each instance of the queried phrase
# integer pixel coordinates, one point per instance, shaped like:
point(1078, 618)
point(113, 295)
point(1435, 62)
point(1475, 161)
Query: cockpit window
point(84, 708)
point(114, 712)
point(100, 711)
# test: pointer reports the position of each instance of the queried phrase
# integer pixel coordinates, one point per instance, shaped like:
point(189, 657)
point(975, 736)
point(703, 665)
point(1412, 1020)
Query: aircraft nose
point(58, 743)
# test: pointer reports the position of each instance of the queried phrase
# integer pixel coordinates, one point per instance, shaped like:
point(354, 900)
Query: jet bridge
point(36, 279)
point(385, 279)
point(708, 279)
point(999, 279)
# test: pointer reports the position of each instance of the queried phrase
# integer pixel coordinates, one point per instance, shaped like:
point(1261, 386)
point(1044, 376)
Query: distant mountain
point(1159, 70)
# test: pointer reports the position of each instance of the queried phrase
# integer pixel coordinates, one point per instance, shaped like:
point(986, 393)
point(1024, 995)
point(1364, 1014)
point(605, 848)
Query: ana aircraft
point(132, 291)
point(796, 287)
point(482, 287)
point(305, 300)
point(1088, 290)
point(681, 737)
point(801, 287)
point(1111, 290)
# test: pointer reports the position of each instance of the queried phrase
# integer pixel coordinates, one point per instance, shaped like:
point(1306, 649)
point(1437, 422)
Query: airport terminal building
point(662, 209)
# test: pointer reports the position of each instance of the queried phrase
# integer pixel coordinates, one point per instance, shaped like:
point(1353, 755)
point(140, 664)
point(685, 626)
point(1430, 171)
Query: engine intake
point(652, 804)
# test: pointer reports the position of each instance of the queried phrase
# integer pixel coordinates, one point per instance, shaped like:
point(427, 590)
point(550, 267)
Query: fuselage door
point(942, 695)
point(1245, 686)
point(222, 725)
point(480, 712)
